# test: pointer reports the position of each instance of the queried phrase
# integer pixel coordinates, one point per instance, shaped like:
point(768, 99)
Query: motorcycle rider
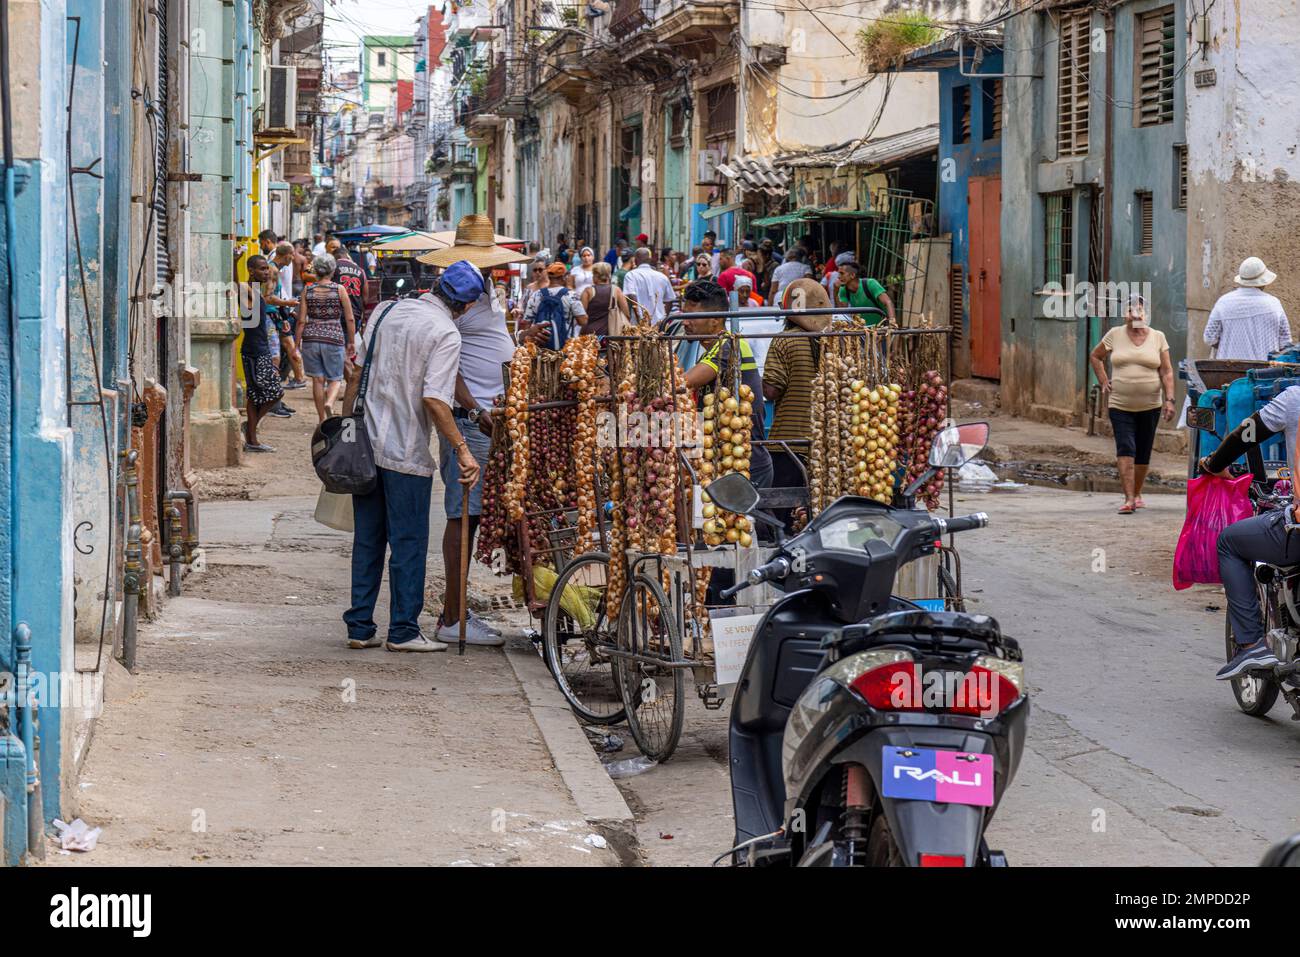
point(1263, 538)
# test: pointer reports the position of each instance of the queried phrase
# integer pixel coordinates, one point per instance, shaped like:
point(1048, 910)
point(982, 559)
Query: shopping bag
point(1213, 504)
point(334, 510)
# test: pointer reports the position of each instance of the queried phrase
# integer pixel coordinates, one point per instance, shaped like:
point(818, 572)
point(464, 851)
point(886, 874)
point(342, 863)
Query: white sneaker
point(476, 633)
point(486, 626)
point(417, 644)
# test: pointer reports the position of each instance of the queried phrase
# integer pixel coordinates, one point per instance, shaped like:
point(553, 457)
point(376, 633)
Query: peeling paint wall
point(823, 95)
point(1243, 135)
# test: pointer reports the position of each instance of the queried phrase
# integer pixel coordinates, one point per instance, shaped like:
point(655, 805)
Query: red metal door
point(984, 209)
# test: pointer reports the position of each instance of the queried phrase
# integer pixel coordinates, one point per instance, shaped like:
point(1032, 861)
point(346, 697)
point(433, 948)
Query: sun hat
point(1253, 272)
point(461, 282)
point(475, 244)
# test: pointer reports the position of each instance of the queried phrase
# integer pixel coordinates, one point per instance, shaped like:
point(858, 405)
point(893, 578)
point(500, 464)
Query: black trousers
point(1135, 434)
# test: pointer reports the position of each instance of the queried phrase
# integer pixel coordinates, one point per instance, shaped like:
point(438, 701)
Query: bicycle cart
point(619, 636)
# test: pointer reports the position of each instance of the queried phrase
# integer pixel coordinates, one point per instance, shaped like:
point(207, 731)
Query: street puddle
point(1079, 478)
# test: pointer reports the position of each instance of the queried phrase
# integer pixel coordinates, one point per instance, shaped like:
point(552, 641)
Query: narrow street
point(1135, 755)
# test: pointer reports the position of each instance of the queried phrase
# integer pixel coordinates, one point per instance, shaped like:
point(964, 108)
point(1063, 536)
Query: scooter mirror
point(958, 444)
point(733, 493)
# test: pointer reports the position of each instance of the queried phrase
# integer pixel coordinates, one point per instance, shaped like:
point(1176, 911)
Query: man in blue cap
point(413, 347)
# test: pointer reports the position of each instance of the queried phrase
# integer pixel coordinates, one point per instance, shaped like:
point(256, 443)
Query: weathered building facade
point(1092, 207)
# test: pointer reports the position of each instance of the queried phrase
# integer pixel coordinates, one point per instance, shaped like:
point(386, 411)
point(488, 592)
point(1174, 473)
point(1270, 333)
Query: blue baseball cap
point(460, 282)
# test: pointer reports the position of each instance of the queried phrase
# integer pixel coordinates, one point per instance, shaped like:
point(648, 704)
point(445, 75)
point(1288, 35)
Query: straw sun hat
point(475, 244)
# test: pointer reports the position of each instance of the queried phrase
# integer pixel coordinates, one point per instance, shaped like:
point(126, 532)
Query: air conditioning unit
point(280, 94)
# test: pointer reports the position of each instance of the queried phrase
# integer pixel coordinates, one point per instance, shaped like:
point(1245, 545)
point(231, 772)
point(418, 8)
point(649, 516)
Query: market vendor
point(707, 296)
point(857, 290)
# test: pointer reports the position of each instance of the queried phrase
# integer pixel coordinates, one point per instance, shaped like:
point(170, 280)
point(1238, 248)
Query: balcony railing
point(630, 16)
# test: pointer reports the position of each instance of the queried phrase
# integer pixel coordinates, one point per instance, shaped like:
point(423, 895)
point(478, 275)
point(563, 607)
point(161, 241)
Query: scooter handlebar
point(963, 523)
point(778, 567)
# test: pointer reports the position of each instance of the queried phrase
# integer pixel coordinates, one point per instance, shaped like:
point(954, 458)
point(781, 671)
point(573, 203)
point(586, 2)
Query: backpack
point(550, 308)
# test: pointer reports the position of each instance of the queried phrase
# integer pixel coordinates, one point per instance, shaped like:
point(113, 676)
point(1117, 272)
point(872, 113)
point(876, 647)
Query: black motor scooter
point(865, 730)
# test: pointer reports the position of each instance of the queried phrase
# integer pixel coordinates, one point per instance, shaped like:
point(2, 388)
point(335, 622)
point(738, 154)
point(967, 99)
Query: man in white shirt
point(792, 267)
point(1248, 323)
point(319, 249)
point(651, 288)
point(412, 356)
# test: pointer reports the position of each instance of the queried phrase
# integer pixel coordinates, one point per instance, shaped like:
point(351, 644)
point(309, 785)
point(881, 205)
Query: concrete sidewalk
point(251, 735)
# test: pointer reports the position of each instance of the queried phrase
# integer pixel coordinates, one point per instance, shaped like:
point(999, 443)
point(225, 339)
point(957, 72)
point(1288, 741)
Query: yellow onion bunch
point(875, 432)
point(580, 367)
point(727, 426)
point(517, 430)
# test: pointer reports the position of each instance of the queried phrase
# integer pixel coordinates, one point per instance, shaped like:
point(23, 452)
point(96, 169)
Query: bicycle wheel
point(1256, 691)
point(654, 696)
point(585, 674)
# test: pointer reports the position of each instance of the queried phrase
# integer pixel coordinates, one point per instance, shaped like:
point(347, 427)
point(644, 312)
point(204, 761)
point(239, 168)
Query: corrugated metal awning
point(877, 152)
point(756, 173)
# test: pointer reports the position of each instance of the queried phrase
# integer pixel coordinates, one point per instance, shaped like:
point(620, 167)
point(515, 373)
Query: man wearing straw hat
point(485, 346)
point(1248, 323)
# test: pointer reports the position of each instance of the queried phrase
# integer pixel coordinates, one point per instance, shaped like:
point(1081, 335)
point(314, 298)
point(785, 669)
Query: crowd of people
point(436, 358)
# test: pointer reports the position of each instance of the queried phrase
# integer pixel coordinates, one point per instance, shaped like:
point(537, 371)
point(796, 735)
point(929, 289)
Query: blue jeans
point(395, 515)
point(480, 446)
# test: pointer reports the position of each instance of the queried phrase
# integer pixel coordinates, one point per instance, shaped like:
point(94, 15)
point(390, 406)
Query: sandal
point(1126, 509)
point(1138, 503)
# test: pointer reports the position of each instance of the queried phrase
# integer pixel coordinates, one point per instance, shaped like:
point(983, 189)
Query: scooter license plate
point(947, 777)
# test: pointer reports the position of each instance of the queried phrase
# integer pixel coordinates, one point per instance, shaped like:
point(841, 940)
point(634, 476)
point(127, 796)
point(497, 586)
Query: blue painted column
point(93, 426)
point(39, 531)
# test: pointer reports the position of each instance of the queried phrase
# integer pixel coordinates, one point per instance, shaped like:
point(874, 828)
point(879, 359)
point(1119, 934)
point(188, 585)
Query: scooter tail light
point(1003, 681)
point(872, 674)
point(943, 860)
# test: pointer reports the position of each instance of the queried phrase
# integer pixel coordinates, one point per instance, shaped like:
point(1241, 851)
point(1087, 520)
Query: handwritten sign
point(731, 637)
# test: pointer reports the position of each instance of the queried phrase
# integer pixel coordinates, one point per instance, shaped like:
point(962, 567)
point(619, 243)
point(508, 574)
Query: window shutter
point(1145, 223)
point(1155, 80)
point(1072, 76)
point(956, 298)
point(1180, 176)
point(993, 89)
point(162, 260)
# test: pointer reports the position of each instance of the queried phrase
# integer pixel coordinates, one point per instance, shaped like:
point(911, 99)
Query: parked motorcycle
point(865, 730)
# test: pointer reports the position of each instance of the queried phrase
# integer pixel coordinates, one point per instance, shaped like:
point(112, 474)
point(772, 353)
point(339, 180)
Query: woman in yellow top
point(1140, 372)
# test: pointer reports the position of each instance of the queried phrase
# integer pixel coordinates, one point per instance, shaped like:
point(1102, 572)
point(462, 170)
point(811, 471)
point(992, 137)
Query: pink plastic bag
point(1212, 505)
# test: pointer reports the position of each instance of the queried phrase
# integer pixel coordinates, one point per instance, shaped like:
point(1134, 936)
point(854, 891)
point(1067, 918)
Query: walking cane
point(464, 566)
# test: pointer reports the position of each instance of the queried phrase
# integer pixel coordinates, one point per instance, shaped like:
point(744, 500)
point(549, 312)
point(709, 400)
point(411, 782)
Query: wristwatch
point(473, 414)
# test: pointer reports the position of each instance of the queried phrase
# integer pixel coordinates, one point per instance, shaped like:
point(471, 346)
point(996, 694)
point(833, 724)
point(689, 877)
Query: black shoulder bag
point(340, 448)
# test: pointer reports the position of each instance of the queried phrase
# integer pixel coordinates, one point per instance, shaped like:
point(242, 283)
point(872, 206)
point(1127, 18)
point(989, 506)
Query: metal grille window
point(1144, 221)
point(1155, 68)
point(1072, 82)
point(961, 114)
point(720, 103)
point(992, 109)
point(1180, 176)
point(1059, 239)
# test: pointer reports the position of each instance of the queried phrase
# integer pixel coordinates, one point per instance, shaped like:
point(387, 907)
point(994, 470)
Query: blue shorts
point(479, 446)
point(323, 360)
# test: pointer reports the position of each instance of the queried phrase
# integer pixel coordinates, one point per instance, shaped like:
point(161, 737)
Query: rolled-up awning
point(713, 212)
point(631, 211)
